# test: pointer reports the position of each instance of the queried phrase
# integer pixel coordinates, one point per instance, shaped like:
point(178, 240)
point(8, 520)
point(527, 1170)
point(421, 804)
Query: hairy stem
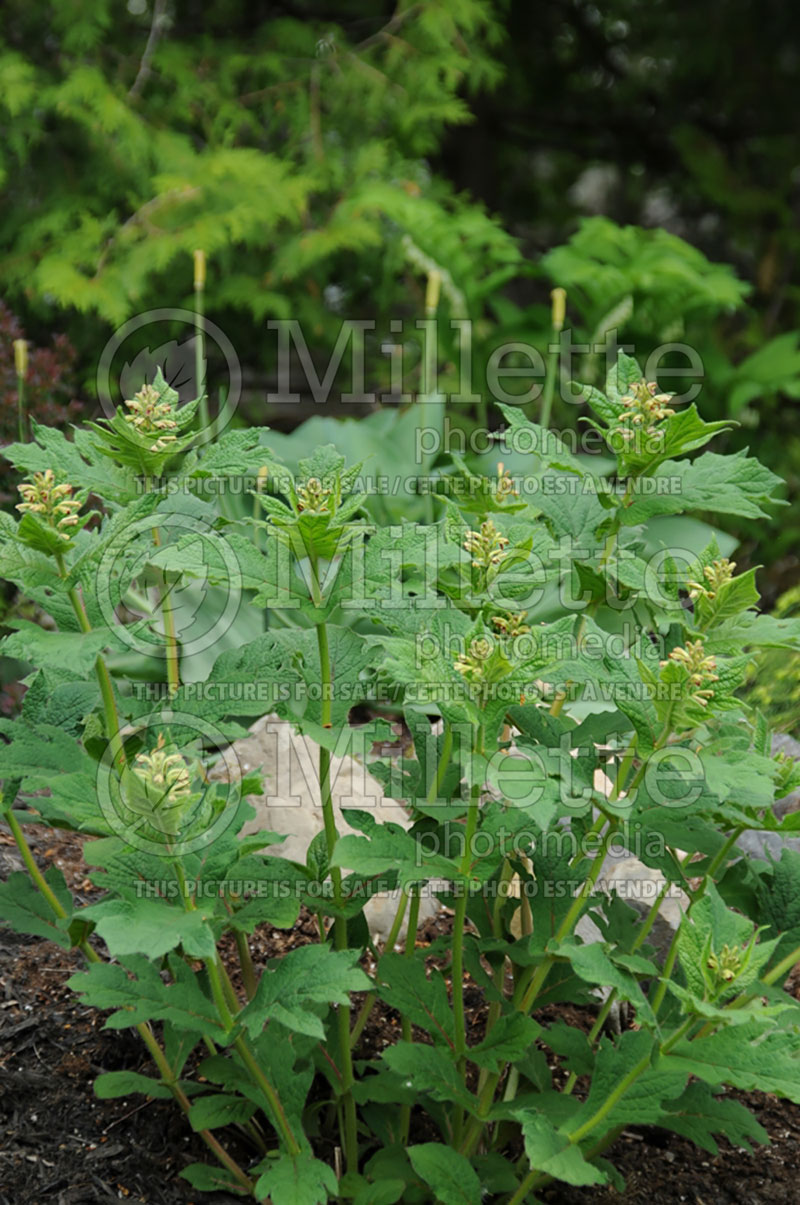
point(21, 408)
point(535, 1178)
point(101, 671)
point(199, 338)
point(411, 934)
point(331, 837)
point(245, 963)
point(168, 1076)
point(558, 298)
point(672, 953)
point(143, 1028)
point(171, 642)
point(365, 1011)
point(527, 993)
point(459, 921)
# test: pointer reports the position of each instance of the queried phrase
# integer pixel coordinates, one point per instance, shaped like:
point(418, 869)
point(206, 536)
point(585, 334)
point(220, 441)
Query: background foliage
point(326, 155)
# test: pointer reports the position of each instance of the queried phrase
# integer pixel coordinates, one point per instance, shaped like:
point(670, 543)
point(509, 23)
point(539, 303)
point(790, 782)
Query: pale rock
point(291, 803)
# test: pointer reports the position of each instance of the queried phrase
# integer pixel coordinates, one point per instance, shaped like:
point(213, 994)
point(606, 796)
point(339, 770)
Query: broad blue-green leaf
point(142, 995)
point(219, 1109)
point(451, 1177)
point(39, 752)
point(429, 1070)
point(551, 1152)
point(728, 485)
point(72, 651)
point(744, 1057)
point(423, 1000)
point(309, 976)
point(206, 1178)
point(551, 450)
point(296, 1180)
point(124, 1083)
point(643, 1097)
point(74, 460)
point(390, 848)
point(508, 1041)
point(698, 1115)
point(25, 909)
point(55, 697)
point(621, 375)
point(594, 965)
point(152, 927)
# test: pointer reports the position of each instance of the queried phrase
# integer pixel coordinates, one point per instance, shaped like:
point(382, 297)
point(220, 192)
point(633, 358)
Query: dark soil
point(60, 1145)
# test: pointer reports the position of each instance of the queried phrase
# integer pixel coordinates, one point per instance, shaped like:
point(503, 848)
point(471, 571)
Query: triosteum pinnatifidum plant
point(569, 686)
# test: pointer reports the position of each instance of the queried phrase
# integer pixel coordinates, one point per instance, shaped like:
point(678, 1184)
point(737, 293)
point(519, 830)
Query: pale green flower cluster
point(166, 773)
point(53, 503)
point(487, 547)
point(151, 414)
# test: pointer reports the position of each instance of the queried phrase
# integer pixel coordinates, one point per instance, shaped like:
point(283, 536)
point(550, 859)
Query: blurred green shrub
point(774, 685)
point(291, 149)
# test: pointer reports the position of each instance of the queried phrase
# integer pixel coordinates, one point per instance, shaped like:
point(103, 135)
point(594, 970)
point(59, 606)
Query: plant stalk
point(199, 338)
point(339, 924)
point(535, 1178)
point(21, 367)
point(101, 672)
point(143, 1028)
point(558, 297)
point(411, 934)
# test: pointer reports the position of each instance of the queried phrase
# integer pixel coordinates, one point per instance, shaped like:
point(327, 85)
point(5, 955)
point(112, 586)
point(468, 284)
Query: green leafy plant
point(773, 682)
point(517, 776)
point(292, 148)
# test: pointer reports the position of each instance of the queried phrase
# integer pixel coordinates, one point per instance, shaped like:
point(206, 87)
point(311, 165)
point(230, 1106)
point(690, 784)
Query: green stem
point(430, 384)
point(457, 957)
point(413, 922)
point(167, 1075)
point(143, 1028)
point(186, 895)
point(506, 875)
point(442, 765)
point(672, 953)
point(411, 934)
point(223, 993)
point(339, 924)
point(199, 348)
point(529, 987)
point(782, 968)
point(260, 483)
point(624, 770)
point(549, 386)
point(172, 646)
point(529, 993)
point(101, 672)
point(535, 1178)
point(459, 921)
point(558, 298)
point(285, 1130)
point(246, 964)
point(641, 938)
point(369, 1000)
point(215, 979)
point(33, 869)
point(218, 993)
point(21, 408)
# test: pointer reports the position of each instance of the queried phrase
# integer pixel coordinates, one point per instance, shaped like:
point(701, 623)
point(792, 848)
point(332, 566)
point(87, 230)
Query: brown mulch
point(60, 1145)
